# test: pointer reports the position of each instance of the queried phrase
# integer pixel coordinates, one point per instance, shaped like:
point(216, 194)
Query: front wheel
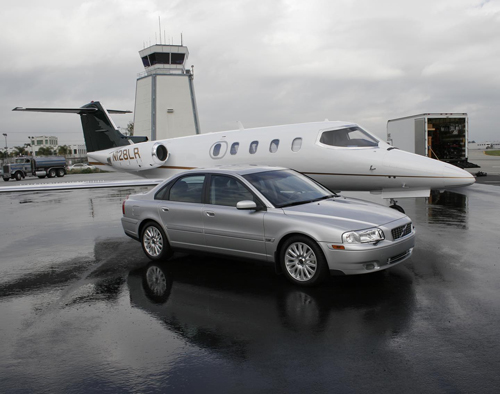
point(302, 261)
point(18, 176)
point(154, 242)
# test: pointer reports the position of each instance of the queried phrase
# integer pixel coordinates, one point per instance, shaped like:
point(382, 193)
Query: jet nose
point(456, 177)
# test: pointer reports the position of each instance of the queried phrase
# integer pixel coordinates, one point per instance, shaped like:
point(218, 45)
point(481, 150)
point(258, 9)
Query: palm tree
point(20, 151)
point(45, 151)
point(64, 150)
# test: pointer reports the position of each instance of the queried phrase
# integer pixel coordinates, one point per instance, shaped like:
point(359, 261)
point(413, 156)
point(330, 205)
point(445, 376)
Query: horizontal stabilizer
point(99, 131)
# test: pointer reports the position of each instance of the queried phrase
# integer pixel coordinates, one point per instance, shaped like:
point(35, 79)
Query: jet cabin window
point(234, 148)
point(253, 147)
point(218, 150)
point(273, 148)
point(296, 144)
point(350, 137)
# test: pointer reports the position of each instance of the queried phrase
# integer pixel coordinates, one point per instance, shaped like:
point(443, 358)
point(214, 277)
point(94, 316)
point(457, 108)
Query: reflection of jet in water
point(340, 155)
point(240, 316)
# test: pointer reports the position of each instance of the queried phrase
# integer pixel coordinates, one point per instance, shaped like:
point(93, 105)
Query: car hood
point(352, 213)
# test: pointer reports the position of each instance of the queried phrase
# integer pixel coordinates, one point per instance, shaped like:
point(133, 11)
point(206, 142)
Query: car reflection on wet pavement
point(82, 309)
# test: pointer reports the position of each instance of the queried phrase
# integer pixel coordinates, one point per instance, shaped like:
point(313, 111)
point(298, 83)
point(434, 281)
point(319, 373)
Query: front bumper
point(366, 258)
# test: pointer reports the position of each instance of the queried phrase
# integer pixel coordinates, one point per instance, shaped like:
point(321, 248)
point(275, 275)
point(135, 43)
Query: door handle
point(164, 209)
point(209, 213)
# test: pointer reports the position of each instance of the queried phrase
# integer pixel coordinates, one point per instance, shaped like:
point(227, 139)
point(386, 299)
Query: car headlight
point(363, 236)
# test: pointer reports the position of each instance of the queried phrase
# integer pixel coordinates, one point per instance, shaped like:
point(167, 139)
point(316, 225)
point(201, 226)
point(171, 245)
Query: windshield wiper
point(291, 204)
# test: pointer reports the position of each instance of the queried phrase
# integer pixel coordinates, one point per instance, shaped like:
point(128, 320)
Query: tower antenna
point(159, 25)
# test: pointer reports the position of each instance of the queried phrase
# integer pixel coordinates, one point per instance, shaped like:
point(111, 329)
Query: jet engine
point(138, 157)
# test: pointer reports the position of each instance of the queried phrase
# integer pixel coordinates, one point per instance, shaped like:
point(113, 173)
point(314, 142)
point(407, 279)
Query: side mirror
point(246, 204)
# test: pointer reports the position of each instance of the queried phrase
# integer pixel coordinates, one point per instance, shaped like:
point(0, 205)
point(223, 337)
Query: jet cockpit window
point(296, 144)
point(234, 148)
point(218, 150)
point(350, 137)
point(253, 147)
point(273, 148)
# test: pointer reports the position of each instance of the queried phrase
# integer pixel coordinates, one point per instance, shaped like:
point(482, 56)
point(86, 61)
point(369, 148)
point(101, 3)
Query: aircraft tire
point(302, 261)
point(397, 208)
point(154, 242)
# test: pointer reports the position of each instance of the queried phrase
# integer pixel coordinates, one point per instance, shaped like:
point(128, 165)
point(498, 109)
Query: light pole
point(32, 142)
point(5, 135)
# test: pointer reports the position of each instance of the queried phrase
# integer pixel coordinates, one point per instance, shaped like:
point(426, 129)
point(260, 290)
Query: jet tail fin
point(99, 131)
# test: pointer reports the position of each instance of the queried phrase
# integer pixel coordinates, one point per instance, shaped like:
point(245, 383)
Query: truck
point(442, 136)
point(47, 166)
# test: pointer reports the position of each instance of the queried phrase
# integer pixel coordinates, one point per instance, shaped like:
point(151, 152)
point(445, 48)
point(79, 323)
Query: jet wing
point(36, 187)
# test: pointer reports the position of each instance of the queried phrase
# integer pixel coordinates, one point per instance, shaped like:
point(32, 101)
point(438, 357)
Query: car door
point(180, 210)
point(229, 230)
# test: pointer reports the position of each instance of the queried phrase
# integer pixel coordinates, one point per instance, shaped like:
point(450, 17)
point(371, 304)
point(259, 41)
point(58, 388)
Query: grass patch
point(492, 152)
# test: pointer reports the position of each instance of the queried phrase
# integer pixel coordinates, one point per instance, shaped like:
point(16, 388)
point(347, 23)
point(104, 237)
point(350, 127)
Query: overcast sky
point(259, 62)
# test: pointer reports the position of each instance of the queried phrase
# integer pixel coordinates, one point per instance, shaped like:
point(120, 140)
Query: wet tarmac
point(83, 310)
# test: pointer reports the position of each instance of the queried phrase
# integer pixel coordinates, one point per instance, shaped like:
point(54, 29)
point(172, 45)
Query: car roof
point(240, 169)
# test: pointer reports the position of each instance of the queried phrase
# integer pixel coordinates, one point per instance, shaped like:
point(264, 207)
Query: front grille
point(398, 257)
point(401, 231)
point(5, 169)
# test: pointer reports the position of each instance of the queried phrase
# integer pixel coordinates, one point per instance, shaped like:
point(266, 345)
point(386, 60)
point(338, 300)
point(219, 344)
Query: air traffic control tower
point(165, 104)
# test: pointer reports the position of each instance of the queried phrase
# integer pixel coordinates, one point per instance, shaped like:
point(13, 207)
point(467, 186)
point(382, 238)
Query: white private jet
point(340, 155)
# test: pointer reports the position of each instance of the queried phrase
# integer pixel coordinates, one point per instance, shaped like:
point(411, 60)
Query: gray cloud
point(272, 63)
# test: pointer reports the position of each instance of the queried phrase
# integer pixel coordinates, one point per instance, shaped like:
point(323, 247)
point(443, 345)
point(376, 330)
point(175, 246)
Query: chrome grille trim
point(401, 231)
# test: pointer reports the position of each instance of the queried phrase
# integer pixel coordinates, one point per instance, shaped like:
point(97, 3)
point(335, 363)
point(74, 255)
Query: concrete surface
point(79, 314)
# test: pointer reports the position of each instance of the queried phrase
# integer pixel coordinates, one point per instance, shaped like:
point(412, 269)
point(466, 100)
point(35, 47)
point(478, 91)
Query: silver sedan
point(271, 214)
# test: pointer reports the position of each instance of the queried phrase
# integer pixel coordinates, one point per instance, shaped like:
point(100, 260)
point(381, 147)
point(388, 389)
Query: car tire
point(60, 172)
point(154, 242)
point(302, 261)
point(51, 173)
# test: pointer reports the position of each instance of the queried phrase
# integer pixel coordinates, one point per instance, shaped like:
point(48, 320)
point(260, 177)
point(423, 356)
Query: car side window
point(187, 189)
point(228, 191)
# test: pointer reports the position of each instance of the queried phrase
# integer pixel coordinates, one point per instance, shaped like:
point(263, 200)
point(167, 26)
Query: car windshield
point(284, 188)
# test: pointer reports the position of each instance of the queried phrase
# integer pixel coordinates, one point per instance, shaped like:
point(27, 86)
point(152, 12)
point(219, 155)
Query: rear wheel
point(60, 172)
point(6, 179)
point(154, 242)
point(41, 176)
point(51, 173)
point(302, 261)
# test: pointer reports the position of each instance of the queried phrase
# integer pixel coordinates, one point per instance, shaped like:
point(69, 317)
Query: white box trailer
point(442, 136)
